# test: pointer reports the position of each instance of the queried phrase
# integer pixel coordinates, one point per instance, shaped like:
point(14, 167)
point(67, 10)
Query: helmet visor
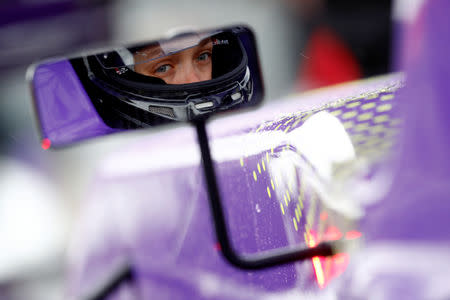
point(186, 58)
point(143, 53)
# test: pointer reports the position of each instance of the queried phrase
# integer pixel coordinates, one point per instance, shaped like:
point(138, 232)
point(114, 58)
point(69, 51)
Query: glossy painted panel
point(160, 211)
point(394, 198)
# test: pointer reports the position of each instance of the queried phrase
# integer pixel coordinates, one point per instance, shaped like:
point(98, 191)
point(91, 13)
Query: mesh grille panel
point(161, 110)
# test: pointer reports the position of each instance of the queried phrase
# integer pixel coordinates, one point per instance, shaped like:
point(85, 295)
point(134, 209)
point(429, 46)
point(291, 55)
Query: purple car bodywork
point(56, 85)
point(365, 161)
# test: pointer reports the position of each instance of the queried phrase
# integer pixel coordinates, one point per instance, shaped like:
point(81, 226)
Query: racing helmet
point(142, 100)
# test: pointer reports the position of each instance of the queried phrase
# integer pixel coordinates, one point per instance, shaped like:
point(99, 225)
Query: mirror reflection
point(186, 66)
point(181, 78)
point(187, 77)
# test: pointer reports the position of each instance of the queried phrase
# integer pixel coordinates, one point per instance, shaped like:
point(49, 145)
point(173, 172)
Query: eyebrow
point(154, 52)
point(204, 42)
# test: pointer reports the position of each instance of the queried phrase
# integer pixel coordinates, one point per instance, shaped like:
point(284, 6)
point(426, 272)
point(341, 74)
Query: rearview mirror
point(187, 77)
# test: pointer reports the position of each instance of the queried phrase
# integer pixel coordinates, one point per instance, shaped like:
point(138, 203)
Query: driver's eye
point(163, 69)
point(204, 56)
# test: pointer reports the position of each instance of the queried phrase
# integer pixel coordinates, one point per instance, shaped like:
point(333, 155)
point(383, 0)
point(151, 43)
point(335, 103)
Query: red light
point(327, 268)
point(351, 235)
point(324, 216)
point(341, 258)
point(332, 234)
point(45, 143)
point(217, 247)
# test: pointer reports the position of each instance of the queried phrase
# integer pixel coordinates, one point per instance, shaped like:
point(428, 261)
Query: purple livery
point(366, 162)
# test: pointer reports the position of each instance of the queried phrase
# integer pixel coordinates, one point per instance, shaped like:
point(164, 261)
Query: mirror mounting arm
point(253, 261)
point(247, 262)
point(122, 274)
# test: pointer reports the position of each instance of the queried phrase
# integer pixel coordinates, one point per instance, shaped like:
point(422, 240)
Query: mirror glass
point(182, 78)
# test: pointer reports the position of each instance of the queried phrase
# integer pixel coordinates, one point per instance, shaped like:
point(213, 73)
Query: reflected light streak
point(320, 277)
point(336, 264)
point(319, 272)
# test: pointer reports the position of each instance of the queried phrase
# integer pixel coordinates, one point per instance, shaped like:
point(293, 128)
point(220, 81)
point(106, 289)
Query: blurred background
point(303, 44)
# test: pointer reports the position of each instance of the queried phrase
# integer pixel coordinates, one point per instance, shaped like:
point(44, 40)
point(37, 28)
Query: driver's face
point(187, 66)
